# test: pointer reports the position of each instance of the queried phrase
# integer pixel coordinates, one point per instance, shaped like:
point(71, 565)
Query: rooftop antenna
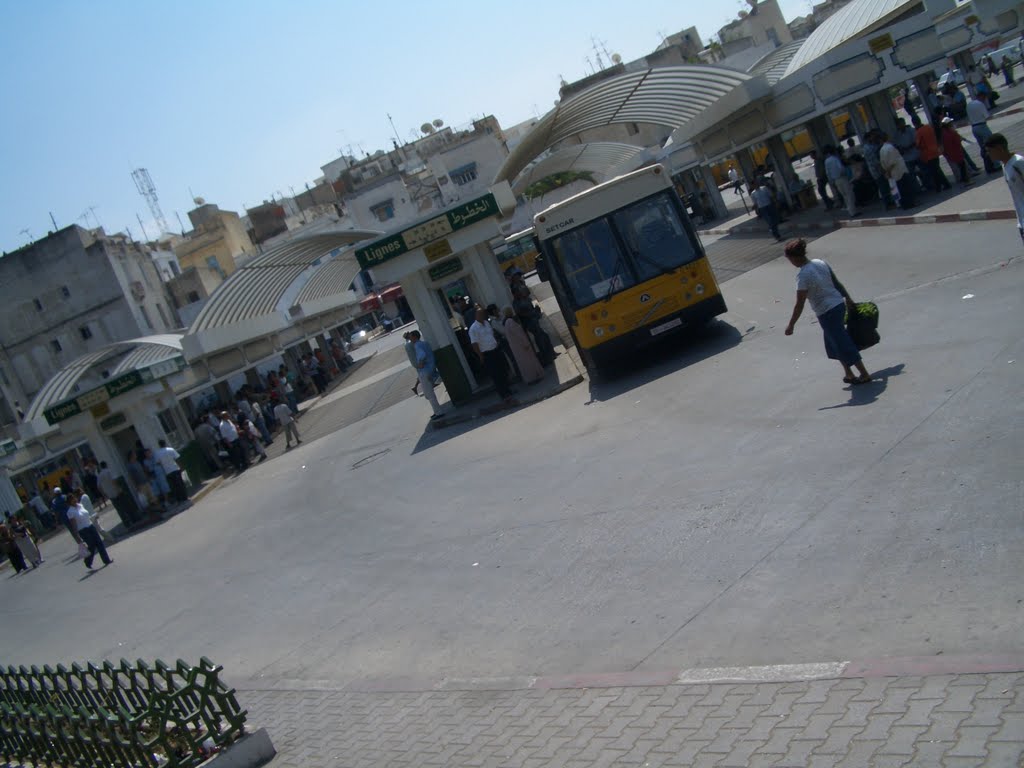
point(590, 64)
point(597, 52)
point(180, 225)
point(144, 183)
point(393, 129)
point(27, 232)
point(664, 36)
point(55, 227)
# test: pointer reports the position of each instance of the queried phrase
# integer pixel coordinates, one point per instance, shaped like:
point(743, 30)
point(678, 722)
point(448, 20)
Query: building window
point(55, 345)
point(145, 317)
point(163, 315)
point(464, 174)
point(37, 304)
point(632, 129)
point(86, 332)
point(65, 292)
point(383, 211)
point(193, 297)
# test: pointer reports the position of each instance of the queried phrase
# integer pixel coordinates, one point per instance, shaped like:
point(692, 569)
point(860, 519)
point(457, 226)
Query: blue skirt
point(838, 344)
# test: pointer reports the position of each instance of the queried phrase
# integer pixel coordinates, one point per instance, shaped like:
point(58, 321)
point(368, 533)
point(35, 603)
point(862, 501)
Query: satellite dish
point(426, 129)
point(438, 123)
point(198, 201)
point(616, 58)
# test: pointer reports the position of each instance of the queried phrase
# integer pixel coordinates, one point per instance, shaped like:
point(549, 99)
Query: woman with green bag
point(829, 299)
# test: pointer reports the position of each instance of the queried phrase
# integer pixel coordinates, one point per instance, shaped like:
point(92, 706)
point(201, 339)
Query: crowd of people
point(74, 506)
point(505, 345)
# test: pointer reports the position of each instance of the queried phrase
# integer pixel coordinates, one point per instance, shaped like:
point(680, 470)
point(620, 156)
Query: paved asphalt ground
point(388, 595)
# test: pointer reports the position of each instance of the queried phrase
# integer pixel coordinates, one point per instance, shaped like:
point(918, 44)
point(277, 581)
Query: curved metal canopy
point(107, 362)
point(848, 22)
point(598, 157)
point(773, 66)
point(258, 286)
point(670, 96)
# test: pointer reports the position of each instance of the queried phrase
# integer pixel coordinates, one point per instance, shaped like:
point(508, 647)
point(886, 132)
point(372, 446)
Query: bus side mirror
point(542, 269)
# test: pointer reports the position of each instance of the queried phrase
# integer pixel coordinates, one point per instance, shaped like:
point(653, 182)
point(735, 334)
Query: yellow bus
point(518, 250)
point(625, 265)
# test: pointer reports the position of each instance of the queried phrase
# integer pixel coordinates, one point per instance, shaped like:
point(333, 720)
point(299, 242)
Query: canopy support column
point(714, 193)
point(780, 160)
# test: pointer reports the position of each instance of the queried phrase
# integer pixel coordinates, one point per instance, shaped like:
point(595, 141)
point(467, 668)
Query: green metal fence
point(125, 715)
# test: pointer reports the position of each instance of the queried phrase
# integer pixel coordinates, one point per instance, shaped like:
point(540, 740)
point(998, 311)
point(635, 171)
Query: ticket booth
point(438, 258)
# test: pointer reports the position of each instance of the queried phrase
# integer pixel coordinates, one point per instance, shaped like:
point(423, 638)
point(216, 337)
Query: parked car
point(952, 74)
point(358, 339)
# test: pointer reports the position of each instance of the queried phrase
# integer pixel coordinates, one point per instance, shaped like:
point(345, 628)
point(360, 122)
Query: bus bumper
point(689, 317)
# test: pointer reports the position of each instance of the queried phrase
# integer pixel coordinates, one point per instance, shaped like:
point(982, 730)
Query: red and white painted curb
point(908, 666)
point(933, 218)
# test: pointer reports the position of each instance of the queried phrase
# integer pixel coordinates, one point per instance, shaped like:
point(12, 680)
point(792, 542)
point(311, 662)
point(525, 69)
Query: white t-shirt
point(483, 335)
point(168, 458)
point(976, 112)
point(79, 516)
point(815, 277)
point(1013, 172)
point(733, 175)
point(283, 413)
point(228, 431)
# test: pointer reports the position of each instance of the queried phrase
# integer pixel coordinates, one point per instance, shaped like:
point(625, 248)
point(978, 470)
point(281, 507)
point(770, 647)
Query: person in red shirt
point(928, 146)
point(953, 149)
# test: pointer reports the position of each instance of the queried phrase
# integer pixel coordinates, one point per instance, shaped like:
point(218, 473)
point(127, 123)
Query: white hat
point(947, 119)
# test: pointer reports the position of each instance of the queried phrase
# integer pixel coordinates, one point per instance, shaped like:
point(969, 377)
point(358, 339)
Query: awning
point(105, 365)
point(669, 96)
point(393, 293)
point(370, 303)
point(604, 159)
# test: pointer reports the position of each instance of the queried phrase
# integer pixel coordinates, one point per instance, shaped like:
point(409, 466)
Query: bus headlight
point(700, 289)
point(599, 331)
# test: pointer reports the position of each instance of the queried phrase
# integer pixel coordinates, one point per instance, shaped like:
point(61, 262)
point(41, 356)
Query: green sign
point(412, 238)
point(110, 389)
point(444, 269)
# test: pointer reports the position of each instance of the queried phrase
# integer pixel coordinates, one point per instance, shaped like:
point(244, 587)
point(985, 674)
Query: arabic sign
point(444, 269)
point(410, 239)
point(111, 389)
point(438, 250)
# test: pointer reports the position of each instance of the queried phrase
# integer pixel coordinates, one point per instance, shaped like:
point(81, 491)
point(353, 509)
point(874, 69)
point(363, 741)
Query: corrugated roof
point(598, 157)
point(257, 288)
point(669, 96)
point(847, 23)
point(773, 66)
point(131, 354)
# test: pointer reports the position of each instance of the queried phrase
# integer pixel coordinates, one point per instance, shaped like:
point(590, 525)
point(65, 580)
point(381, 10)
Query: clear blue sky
point(241, 100)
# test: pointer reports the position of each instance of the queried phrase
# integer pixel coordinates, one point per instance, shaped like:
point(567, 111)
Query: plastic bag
point(862, 325)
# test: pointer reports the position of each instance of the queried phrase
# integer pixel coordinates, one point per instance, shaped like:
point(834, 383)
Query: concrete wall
point(218, 234)
point(487, 152)
point(99, 275)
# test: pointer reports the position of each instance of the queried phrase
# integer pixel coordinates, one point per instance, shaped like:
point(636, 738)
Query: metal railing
point(129, 715)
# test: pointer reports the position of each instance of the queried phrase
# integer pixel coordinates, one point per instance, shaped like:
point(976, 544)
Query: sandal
point(847, 380)
point(861, 380)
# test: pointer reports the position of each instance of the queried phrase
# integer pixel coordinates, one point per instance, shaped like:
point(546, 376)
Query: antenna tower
point(147, 189)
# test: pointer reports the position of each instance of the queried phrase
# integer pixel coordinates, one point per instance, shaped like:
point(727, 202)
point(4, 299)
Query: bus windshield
point(633, 244)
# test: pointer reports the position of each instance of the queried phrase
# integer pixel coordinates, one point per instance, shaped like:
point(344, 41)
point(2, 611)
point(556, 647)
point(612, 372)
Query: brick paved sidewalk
point(948, 720)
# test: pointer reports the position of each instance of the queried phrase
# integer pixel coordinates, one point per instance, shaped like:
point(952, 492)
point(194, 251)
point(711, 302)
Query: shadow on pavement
point(866, 394)
point(662, 359)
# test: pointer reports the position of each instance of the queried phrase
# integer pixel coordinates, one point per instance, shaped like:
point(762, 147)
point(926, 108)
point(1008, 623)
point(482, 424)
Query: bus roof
point(524, 233)
point(600, 200)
